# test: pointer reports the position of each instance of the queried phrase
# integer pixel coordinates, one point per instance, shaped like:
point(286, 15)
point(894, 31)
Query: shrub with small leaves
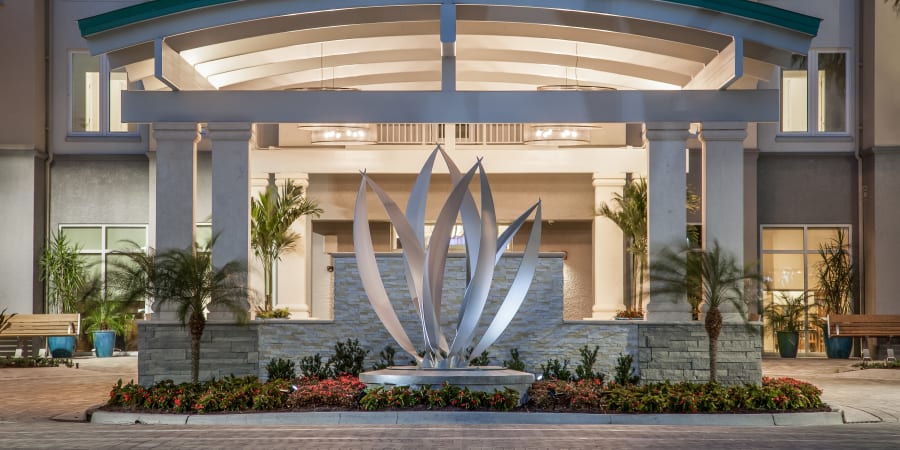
point(279, 313)
point(514, 363)
point(585, 370)
point(481, 360)
point(387, 358)
point(281, 369)
point(314, 367)
point(624, 371)
point(340, 392)
point(556, 370)
point(348, 358)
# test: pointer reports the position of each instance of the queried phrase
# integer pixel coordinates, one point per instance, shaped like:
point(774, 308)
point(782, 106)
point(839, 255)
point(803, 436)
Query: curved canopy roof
point(498, 45)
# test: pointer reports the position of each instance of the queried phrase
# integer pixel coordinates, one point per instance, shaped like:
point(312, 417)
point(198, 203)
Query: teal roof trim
point(142, 11)
point(758, 11)
point(159, 8)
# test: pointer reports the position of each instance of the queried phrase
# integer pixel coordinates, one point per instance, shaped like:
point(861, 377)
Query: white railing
point(466, 133)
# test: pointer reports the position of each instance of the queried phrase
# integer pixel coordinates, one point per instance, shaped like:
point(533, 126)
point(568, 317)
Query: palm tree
point(711, 272)
point(630, 215)
point(270, 232)
point(187, 279)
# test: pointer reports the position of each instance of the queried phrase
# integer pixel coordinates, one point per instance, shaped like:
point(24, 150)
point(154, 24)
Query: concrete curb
point(469, 418)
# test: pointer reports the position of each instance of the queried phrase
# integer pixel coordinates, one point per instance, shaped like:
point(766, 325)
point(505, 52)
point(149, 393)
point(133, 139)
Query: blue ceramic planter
point(104, 342)
point(838, 347)
point(61, 346)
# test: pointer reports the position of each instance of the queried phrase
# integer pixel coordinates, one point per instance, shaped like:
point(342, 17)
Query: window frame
point(807, 268)
point(104, 100)
point(104, 249)
point(812, 96)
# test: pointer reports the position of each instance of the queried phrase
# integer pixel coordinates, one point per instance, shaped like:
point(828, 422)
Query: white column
point(723, 192)
point(293, 289)
point(176, 192)
point(667, 215)
point(608, 248)
point(230, 199)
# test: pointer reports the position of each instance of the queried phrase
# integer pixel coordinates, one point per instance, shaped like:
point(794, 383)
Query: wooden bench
point(864, 325)
point(42, 325)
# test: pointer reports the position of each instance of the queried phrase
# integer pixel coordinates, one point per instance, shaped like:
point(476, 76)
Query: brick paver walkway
point(63, 393)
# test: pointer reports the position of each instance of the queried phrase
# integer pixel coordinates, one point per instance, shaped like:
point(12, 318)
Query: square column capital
point(176, 131)
point(723, 131)
point(300, 178)
point(667, 131)
point(600, 181)
point(231, 131)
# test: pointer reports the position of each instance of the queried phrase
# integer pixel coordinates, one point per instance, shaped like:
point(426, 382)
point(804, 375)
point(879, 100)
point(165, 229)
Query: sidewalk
point(62, 393)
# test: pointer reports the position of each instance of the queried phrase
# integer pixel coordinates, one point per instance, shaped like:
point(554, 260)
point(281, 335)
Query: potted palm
point(713, 275)
point(106, 315)
point(835, 291)
point(786, 319)
point(65, 274)
point(270, 231)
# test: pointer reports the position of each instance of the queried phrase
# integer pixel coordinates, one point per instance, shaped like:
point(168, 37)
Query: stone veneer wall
point(538, 330)
point(164, 351)
point(673, 351)
point(680, 351)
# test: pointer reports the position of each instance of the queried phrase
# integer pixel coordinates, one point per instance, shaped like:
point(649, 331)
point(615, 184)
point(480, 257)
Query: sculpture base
point(487, 378)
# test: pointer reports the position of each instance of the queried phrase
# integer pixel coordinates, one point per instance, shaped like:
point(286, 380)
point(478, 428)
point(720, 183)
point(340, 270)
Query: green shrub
point(585, 370)
point(387, 358)
point(314, 367)
point(624, 372)
point(583, 395)
point(30, 361)
point(481, 360)
point(341, 392)
point(556, 370)
point(281, 369)
point(279, 313)
point(514, 363)
point(348, 358)
point(404, 397)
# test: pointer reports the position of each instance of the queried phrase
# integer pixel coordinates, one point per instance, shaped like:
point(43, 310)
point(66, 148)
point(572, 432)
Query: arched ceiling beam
point(769, 26)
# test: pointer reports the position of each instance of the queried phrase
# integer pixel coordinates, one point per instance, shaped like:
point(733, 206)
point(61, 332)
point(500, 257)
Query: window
point(98, 243)
point(820, 106)
point(95, 97)
point(790, 257)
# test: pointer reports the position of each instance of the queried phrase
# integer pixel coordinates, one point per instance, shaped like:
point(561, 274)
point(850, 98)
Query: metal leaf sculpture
point(425, 264)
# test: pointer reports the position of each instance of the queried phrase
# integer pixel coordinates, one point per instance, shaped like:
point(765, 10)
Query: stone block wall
point(663, 351)
point(225, 349)
point(538, 330)
point(680, 352)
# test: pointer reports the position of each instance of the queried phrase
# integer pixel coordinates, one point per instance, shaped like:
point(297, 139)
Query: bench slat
point(864, 325)
point(22, 325)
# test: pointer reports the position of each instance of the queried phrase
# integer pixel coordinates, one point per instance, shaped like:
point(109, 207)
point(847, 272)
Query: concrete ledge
point(118, 418)
point(465, 417)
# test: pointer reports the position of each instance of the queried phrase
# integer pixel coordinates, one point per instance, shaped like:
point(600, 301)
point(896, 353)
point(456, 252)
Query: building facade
point(780, 115)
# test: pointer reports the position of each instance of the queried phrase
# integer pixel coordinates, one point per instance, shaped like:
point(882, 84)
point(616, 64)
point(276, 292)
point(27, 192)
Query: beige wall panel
point(565, 197)
point(22, 77)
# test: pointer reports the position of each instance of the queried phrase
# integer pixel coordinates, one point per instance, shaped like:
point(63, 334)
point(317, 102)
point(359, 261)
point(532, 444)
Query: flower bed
point(347, 393)
point(34, 362)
